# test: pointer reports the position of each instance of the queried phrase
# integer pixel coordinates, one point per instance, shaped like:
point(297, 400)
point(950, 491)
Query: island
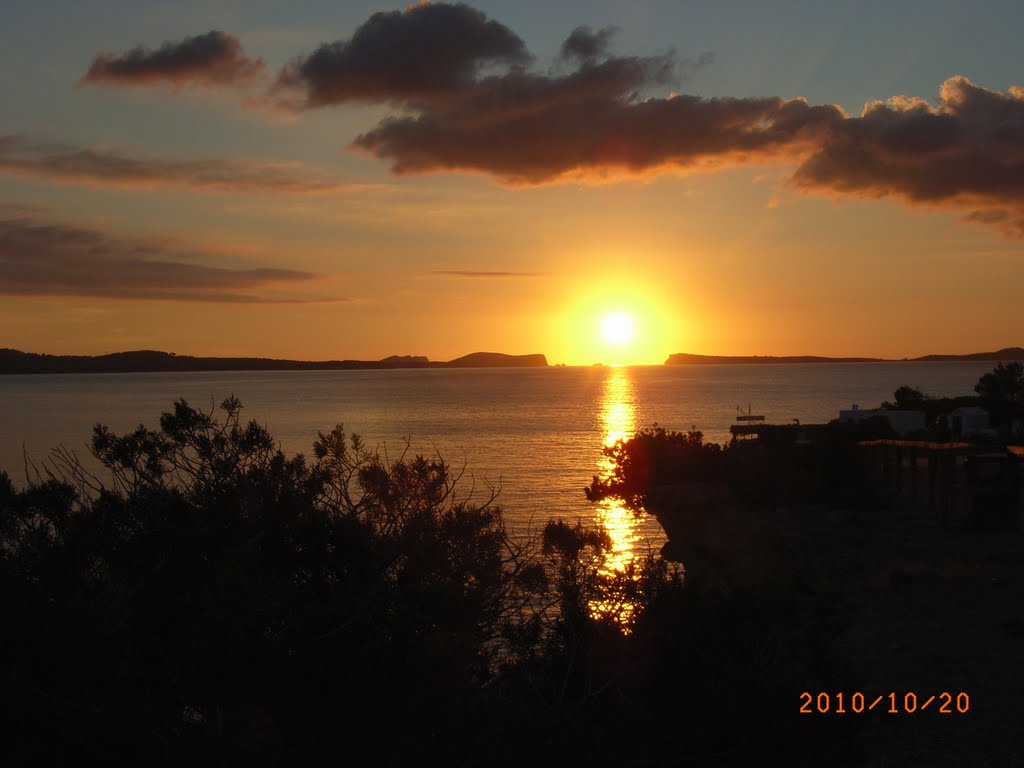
point(1001, 355)
point(495, 360)
point(13, 361)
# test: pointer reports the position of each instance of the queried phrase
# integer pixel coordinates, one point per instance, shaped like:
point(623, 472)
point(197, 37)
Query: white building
point(967, 421)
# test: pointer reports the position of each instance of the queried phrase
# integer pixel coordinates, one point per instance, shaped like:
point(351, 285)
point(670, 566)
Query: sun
point(617, 328)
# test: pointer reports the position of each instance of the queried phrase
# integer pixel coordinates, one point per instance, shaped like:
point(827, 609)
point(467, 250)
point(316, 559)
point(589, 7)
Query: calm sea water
point(536, 433)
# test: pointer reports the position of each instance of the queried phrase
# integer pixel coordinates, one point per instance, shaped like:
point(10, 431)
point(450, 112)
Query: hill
point(496, 360)
point(683, 358)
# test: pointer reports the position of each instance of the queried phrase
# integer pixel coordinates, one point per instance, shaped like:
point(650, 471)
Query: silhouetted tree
point(1004, 383)
point(218, 594)
point(907, 398)
point(215, 601)
point(653, 457)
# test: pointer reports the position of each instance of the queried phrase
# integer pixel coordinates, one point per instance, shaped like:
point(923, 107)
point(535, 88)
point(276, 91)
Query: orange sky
point(211, 198)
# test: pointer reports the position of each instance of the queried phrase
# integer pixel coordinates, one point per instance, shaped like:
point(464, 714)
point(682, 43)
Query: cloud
point(1010, 223)
point(967, 153)
point(471, 104)
point(83, 165)
point(419, 55)
point(52, 259)
point(21, 210)
point(584, 44)
point(598, 122)
point(477, 274)
point(466, 100)
point(213, 59)
point(592, 123)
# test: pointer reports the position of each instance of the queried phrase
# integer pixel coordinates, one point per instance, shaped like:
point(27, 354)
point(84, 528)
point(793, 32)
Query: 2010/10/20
point(857, 703)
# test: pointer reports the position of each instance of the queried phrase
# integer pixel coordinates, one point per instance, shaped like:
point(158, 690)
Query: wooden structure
point(955, 484)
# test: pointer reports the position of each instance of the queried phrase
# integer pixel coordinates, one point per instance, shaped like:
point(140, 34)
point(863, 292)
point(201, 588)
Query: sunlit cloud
point(526, 127)
point(213, 59)
point(553, 130)
point(103, 167)
point(966, 152)
point(56, 259)
point(469, 98)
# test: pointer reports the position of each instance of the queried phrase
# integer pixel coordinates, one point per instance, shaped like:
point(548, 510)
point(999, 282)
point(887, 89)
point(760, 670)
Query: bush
point(218, 595)
point(216, 601)
point(654, 457)
point(907, 398)
point(1004, 383)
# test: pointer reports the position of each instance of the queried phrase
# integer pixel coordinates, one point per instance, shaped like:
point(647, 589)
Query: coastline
point(685, 358)
point(13, 361)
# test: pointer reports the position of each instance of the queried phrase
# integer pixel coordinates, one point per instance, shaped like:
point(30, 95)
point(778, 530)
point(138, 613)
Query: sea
point(533, 435)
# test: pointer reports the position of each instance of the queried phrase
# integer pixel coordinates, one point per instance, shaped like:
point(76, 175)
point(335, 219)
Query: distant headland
point(13, 361)
point(1005, 354)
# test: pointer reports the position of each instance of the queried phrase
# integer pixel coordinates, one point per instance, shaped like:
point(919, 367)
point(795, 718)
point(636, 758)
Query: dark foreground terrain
point(918, 609)
point(215, 602)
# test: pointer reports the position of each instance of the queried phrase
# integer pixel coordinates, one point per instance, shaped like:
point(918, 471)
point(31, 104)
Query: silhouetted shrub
point(218, 595)
point(653, 457)
point(218, 602)
point(907, 398)
point(1005, 382)
point(774, 469)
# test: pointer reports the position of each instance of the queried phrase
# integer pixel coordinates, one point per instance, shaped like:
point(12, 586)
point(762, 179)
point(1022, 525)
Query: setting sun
point(618, 319)
point(617, 328)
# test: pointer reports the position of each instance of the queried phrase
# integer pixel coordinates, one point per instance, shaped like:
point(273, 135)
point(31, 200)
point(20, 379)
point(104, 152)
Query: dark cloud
point(418, 55)
point(47, 259)
point(82, 165)
point(584, 44)
point(215, 58)
point(1010, 223)
point(469, 104)
point(967, 152)
point(527, 128)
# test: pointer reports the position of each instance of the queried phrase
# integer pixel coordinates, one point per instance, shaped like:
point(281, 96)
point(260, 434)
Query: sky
point(353, 180)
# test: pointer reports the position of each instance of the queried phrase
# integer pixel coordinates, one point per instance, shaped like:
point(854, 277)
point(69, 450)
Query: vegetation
point(1004, 383)
point(654, 457)
point(775, 469)
point(907, 398)
point(211, 600)
point(1000, 392)
point(771, 471)
point(215, 601)
point(790, 531)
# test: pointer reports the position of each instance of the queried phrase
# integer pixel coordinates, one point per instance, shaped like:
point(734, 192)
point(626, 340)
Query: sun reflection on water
point(618, 422)
point(625, 529)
